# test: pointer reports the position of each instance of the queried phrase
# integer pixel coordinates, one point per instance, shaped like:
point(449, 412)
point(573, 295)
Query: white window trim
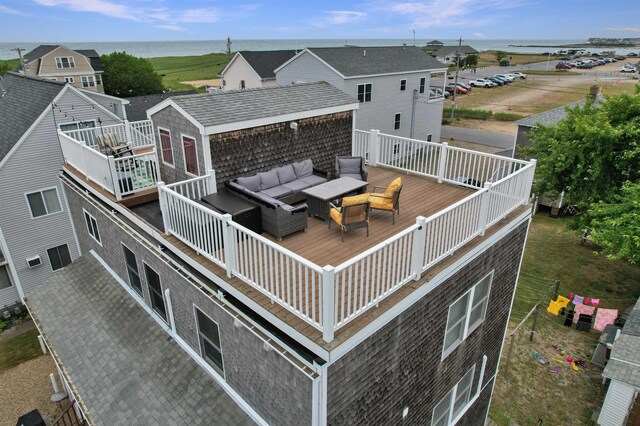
point(90, 78)
point(426, 87)
point(98, 79)
point(89, 231)
point(467, 330)
point(454, 393)
point(126, 268)
point(70, 59)
point(78, 122)
point(195, 318)
point(399, 121)
point(145, 265)
point(365, 96)
point(184, 156)
point(45, 205)
point(49, 258)
point(173, 154)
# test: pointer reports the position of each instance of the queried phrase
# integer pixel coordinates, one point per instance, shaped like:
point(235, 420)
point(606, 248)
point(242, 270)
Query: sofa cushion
point(286, 174)
point(314, 180)
point(277, 192)
point(356, 177)
point(252, 183)
point(303, 168)
point(297, 185)
point(267, 199)
point(268, 180)
point(349, 166)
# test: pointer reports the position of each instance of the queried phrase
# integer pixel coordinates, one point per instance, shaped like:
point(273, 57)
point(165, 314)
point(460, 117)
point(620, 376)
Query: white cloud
point(625, 29)
point(170, 27)
point(340, 17)
point(479, 35)
point(103, 7)
point(10, 11)
point(197, 15)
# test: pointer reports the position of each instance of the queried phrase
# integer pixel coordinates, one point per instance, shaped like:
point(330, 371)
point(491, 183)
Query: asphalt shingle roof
point(22, 100)
point(122, 363)
point(352, 61)
point(265, 62)
point(450, 50)
point(138, 105)
point(39, 52)
point(624, 364)
point(548, 117)
point(224, 107)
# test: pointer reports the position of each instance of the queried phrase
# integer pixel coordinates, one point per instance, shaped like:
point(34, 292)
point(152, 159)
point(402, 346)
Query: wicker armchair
point(389, 200)
point(352, 214)
point(351, 167)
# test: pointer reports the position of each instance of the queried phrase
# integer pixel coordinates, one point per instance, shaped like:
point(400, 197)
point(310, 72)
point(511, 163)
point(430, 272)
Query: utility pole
point(455, 86)
point(414, 36)
point(228, 45)
point(22, 65)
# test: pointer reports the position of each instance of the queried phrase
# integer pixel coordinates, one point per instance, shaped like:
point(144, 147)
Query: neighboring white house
point(251, 69)
point(36, 234)
point(447, 54)
point(391, 83)
point(623, 371)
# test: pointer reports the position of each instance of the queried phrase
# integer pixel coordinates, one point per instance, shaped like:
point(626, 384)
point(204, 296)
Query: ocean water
point(151, 49)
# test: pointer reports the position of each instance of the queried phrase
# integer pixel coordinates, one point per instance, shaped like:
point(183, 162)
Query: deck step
point(141, 197)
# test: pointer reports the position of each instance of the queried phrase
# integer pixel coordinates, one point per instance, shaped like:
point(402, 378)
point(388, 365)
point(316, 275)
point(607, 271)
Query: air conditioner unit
point(34, 261)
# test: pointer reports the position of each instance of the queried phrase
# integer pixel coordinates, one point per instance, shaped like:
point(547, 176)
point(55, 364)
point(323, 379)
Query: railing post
point(417, 252)
point(213, 186)
point(374, 146)
point(162, 198)
point(532, 175)
point(328, 301)
point(484, 208)
point(114, 178)
point(442, 164)
point(229, 244)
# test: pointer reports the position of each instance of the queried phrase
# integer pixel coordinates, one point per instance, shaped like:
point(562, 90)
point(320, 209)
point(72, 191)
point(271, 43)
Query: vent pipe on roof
point(364, 53)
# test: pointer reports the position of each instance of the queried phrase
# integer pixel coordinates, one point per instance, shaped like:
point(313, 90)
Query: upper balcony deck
point(322, 289)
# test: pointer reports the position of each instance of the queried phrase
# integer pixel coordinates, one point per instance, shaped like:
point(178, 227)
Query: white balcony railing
point(124, 175)
point(330, 297)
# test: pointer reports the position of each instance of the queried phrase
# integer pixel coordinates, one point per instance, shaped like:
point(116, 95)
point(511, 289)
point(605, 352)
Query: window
point(43, 203)
point(98, 79)
point(69, 79)
point(403, 85)
point(454, 403)
point(59, 257)
point(132, 270)
point(423, 83)
point(396, 121)
point(190, 155)
point(167, 149)
point(88, 81)
point(92, 226)
point(155, 291)
point(466, 314)
point(78, 125)
point(242, 84)
point(364, 92)
point(429, 137)
point(209, 338)
point(65, 62)
point(5, 281)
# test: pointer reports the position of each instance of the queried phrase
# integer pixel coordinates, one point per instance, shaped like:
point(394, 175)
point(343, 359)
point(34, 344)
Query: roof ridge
point(35, 78)
point(253, 89)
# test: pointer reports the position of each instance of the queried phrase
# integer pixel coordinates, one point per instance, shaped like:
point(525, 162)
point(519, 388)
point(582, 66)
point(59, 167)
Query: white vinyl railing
point(134, 173)
point(330, 297)
point(93, 164)
point(136, 134)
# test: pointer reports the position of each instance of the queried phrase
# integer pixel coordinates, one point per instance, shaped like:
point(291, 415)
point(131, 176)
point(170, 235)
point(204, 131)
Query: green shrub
point(507, 116)
point(445, 121)
point(3, 325)
point(474, 114)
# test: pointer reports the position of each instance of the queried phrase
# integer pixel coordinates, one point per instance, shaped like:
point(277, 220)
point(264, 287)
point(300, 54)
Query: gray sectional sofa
point(276, 191)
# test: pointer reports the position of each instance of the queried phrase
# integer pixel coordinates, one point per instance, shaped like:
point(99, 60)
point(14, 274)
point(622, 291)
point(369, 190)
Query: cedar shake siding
point(249, 151)
point(400, 365)
point(275, 389)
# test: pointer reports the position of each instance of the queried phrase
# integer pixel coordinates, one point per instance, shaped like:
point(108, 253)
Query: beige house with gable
point(80, 68)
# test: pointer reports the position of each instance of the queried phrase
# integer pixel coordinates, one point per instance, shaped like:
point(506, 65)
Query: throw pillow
point(303, 168)
point(286, 174)
point(252, 183)
point(268, 179)
point(349, 166)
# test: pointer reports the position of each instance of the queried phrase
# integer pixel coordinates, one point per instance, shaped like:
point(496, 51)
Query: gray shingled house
point(192, 315)
point(33, 204)
point(393, 85)
point(621, 404)
point(252, 69)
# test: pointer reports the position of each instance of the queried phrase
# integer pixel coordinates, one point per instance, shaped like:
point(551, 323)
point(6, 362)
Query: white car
point(518, 74)
point(481, 82)
point(628, 68)
point(507, 76)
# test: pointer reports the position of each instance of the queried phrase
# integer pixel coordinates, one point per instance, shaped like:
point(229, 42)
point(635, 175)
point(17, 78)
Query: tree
point(4, 67)
point(125, 75)
point(471, 61)
point(500, 55)
point(615, 225)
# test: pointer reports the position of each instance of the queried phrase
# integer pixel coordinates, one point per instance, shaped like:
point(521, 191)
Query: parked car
point(503, 79)
point(620, 58)
point(437, 92)
point(496, 80)
point(627, 69)
point(519, 75)
point(632, 55)
point(573, 63)
point(458, 89)
point(505, 76)
point(563, 66)
point(481, 82)
point(465, 85)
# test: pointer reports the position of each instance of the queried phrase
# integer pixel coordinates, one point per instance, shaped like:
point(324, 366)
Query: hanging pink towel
point(570, 296)
point(595, 302)
point(605, 317)
point(578, 299)
point(587, 301)
point(582, 309)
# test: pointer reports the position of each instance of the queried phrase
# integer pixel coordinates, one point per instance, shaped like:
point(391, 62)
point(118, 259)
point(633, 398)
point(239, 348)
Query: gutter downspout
point(413, 111)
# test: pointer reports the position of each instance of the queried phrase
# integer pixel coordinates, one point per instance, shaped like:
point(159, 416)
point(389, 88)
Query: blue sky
point(123, 20)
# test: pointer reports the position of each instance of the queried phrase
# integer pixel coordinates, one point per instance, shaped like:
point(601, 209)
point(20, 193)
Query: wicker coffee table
point(319, 197)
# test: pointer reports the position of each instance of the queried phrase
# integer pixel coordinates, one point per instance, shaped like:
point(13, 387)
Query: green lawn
point(175, 69)
point(11, 64)
point(19, 349)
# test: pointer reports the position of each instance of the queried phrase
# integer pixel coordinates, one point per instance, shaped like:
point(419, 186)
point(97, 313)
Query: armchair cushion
point(393, 187)
point(252, 183)
point(268, 179)
point(381, 202)
point(356, 199)
point(336, 215)
point(303, 169)
point(286, 174)
point(349, 166)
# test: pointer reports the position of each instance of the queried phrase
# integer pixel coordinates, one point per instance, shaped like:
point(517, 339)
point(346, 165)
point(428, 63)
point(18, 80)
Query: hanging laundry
point(554, 308)
point(568, 321)
point(587, 301)
point(570, 296)
point(605, 317)
point(577, 299)
point(562, 301)
point(595, 302)
point(584, 322)
point(582, 309)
